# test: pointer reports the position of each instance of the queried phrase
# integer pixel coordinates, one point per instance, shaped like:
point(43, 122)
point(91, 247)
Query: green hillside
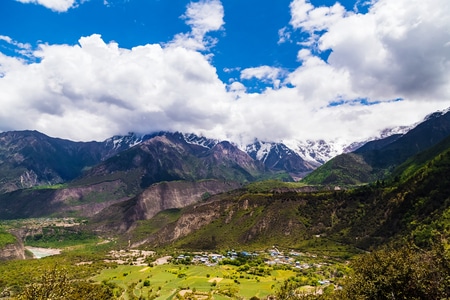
point(343, 170)
point(412, 165)
point(6, 238)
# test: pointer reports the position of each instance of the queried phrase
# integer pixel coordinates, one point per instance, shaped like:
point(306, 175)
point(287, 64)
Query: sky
point(237, 70)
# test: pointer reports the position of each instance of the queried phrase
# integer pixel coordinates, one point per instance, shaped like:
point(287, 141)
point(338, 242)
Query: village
point(271, 258)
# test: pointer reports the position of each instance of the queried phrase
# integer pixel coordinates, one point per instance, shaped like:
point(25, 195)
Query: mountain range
point(82, 178)
point(196, 193)
point(30, 158)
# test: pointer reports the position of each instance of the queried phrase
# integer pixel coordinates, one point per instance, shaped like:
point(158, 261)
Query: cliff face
point(177, 195)
point(12, 251)
point(122, 216)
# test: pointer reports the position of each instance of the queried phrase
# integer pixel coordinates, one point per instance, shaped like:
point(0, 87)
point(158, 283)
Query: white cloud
point(284, 35)
point(55, 5)
point(6, 39)
point(396, 50)
point(237, 87)
point(100, 86)
point(318, 83)
point(24, 49)
point(203, 17)
point(264, 73)
point(310, 18)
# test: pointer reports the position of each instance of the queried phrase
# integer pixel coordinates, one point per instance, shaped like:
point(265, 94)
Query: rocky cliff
point(122, 216)
point(12, 251)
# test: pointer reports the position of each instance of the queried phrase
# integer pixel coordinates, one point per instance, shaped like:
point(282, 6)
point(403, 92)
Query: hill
point(377, 159)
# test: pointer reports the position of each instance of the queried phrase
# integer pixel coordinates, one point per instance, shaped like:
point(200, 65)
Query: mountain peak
point(192, 138)
point(436, 114)
point(121, 142)
point(279, 157)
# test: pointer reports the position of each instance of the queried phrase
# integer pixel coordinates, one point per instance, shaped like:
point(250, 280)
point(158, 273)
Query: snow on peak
point(436, 114)
point(194, 139)
point(317, 151)
point(125, 141)
point(263, 151)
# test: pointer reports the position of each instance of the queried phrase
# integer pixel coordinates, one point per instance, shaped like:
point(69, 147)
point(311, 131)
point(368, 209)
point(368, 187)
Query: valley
point(179, 274)
point(177, 216)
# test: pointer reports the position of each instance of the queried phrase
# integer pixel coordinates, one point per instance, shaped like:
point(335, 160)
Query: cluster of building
point(271, 257)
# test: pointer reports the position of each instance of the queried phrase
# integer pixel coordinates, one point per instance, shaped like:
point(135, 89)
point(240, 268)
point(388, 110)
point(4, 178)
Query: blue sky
point(249, 38)
point(282, 70)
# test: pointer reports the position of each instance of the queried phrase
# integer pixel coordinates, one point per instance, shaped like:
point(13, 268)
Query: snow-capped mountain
point(32, 154)
point(277, 156)
point(122, 142)
point(194, 139)
point(437, 114)
point(317, 152)
point(387, 132)
point(298, 157)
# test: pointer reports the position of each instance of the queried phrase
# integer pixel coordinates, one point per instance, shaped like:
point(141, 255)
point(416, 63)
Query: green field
point(168, 281)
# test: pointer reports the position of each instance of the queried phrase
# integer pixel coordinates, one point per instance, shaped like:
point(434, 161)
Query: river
point(43, 252)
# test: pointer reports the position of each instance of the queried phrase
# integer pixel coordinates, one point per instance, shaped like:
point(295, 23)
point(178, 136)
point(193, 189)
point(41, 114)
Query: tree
point(56, 285)
point(405, 272)
point(401, 273)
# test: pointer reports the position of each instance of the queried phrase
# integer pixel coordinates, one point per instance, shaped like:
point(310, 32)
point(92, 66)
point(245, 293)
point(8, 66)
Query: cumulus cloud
point(265, 73)
point(396, 50)
point(95, 89)
point(237, 87)
point(55, 5)
point(203, 17)
point(311, 18)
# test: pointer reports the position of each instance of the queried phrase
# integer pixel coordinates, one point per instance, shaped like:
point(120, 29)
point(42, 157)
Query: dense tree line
point(56, 284)
point(394, 272)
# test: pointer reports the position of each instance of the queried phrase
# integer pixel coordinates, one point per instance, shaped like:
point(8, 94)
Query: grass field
point(168, 281)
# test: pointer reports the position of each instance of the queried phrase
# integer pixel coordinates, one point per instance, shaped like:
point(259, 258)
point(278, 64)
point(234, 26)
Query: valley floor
point(233, 275)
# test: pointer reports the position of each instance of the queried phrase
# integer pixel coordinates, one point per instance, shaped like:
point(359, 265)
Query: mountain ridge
point(55, 160)
point(29, 158)
point(380, 157)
